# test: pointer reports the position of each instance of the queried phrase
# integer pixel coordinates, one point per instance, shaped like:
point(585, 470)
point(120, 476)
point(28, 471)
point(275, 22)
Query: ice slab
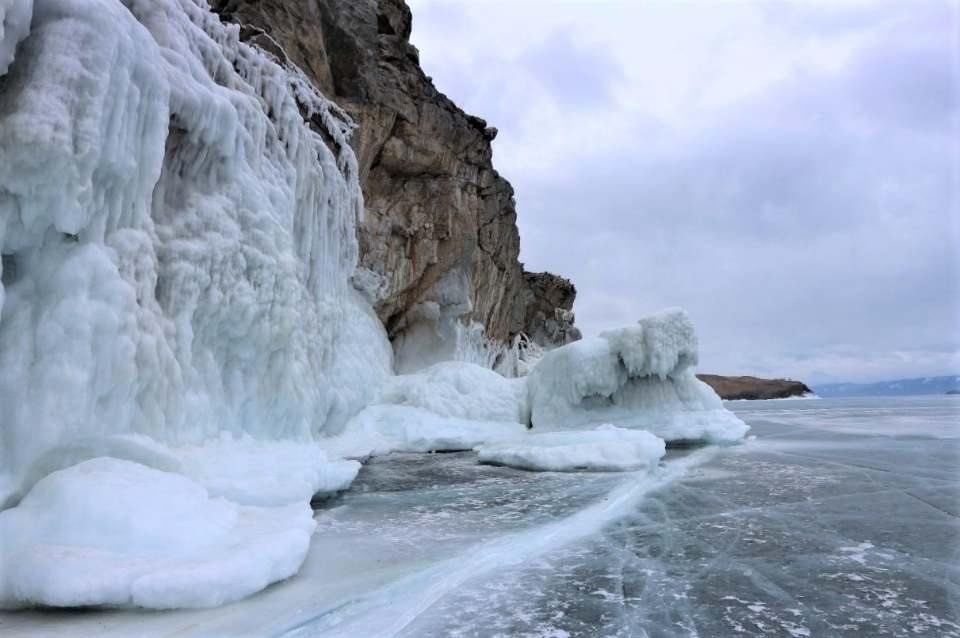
point(602, 449)
point(453, 405)
point(117, 533)
point(382, 429)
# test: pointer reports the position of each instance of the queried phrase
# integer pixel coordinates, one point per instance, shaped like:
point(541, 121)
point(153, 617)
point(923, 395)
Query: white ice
point(637, 377)
point(177, 250)
point(453, 405)
point(383, 429)
point(113, 532)
point(606, 448)
point(459, 389)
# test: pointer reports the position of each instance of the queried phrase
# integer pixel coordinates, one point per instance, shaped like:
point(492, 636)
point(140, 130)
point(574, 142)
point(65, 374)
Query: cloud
point(786, 171)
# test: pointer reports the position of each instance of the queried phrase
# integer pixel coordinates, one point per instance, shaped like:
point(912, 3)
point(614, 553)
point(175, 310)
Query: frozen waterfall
point(177, 243)
point(177, 240)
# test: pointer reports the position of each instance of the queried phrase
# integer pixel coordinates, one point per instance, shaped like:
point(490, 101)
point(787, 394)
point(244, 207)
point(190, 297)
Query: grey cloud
point(811, 230)
point(574, 75)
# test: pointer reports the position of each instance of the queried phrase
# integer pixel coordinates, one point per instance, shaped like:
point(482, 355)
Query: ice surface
point(803, 532)
point(638, 377)
point(604, 449)
point(113, 532)
point(805, 529)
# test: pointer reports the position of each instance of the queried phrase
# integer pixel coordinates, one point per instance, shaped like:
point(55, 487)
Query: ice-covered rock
point(638, 377)
point(605, 448)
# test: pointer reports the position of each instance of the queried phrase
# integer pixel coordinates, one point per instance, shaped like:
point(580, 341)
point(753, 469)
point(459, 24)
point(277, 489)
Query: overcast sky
point(787, 172)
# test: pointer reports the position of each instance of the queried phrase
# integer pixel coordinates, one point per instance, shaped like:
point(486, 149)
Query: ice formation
point(177, 245)
point(453, 405)
point(109, 531)
point(606, 448)
point(638, 377)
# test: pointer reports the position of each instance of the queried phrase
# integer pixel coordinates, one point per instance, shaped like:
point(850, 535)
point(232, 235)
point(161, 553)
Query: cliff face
point(439, 240)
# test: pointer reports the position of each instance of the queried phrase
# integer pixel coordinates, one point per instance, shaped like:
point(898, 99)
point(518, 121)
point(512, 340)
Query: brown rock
point(731, 388)
point(440, 226)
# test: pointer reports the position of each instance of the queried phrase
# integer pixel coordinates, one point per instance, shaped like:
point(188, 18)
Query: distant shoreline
point(748, 388)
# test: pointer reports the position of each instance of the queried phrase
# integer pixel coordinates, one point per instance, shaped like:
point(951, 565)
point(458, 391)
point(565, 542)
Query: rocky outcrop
point(439, 239)
point(732, 388)
point(548, 308)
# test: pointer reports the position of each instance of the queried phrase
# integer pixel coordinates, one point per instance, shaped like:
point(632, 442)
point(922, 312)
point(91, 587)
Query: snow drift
point(638, 377)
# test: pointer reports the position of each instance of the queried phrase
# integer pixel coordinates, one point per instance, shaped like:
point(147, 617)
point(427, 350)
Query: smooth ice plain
point(838, 519)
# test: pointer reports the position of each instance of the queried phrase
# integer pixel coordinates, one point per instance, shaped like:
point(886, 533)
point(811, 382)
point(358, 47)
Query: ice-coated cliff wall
point(178, 229)
point(439, 239)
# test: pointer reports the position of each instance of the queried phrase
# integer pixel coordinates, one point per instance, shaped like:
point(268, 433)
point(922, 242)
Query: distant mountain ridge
point(897, 387)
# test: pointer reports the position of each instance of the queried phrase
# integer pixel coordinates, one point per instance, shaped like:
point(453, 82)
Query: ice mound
point(638, 377)
point(382, 429)
point(459, 389)
point(606, 448)
point(113, 532)
point(265, 473)
point(453, 405)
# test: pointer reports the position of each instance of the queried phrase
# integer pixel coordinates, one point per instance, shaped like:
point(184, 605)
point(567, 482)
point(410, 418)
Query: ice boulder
point(637, 377)
point(117, 533)
point(606, 448)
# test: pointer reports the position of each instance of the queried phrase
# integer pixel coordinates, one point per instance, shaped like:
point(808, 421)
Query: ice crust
point(606, 448)
point(113, 532)
point(637, 377)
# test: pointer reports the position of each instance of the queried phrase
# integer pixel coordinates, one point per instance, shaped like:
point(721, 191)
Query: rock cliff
point(439, 241)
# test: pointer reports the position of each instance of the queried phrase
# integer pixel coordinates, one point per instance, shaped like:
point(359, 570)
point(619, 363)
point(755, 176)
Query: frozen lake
point(839, 519)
